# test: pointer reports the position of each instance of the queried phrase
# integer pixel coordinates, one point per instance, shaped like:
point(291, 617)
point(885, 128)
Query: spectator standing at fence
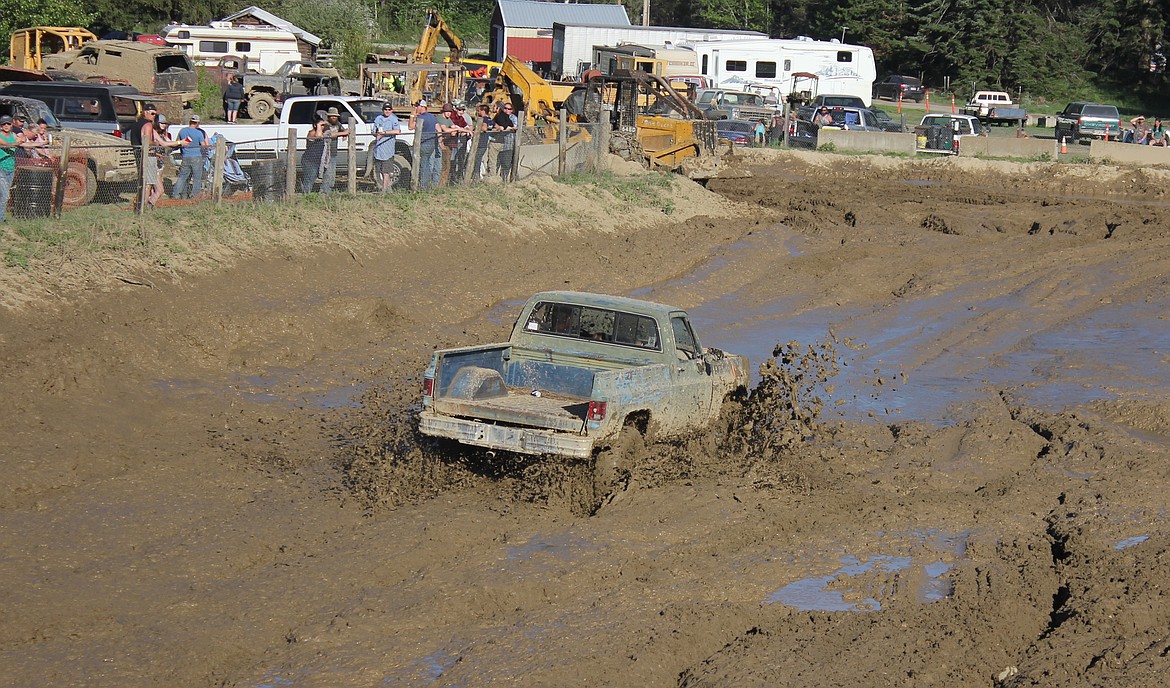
point(505, 124)
point(194, 141)
point(233, 95)
point(387, 127)
point(8, 147)
point(425, 126)
point(446, 128)
point(461, 142)
point(334, 130)
point(160, 141)
point(481, 166)
point(314, 153)
point(38, 135)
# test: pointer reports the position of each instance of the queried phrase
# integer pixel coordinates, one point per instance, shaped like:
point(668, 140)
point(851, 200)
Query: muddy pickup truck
point(579, 371)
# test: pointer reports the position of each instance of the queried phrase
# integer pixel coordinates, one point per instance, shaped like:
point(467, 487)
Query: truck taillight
point(116, 132)
point(428, 386)
point(596, 411)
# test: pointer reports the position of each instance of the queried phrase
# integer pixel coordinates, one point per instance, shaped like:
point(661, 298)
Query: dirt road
point(215, 481)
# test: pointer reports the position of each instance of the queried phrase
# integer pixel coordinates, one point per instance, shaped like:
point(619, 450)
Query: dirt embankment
point(216, 481)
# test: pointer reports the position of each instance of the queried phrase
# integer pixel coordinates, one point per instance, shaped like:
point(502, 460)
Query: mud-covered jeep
point(163, 71)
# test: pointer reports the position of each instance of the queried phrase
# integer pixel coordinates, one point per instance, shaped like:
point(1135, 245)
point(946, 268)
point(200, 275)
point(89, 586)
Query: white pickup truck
point(263, 141)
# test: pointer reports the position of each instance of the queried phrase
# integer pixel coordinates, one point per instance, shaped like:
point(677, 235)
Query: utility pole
point(645, 12)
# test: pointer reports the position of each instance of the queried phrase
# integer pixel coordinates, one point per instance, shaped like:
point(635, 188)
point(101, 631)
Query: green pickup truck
point(1082, 120)
point(578, 370)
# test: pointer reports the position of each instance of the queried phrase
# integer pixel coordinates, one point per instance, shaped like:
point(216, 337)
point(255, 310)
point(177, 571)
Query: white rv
point(767, 65)
point(262, 49)
point(572, 46)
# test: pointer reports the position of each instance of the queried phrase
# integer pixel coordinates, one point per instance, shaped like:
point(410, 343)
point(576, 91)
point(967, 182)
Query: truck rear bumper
point(506, 438)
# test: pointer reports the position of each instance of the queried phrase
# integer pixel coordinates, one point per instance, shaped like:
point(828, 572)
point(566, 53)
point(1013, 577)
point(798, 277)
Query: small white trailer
point(573, 44)
point(768, 65)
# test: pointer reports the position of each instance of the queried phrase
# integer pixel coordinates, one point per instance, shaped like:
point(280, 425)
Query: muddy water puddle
point(953, 349)
point(283, 387)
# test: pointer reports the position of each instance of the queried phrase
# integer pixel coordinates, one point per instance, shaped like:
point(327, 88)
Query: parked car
point(908, 87)
point(717, 103)
point(739, 131)
point(886, 122)
point(963, 125)
point(802, 134)
point(854, 119)
point(96, 107)
point(1081, 120)
point(809, 108)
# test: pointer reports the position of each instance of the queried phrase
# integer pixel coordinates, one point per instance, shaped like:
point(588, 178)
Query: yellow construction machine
point(652, 122)
point(28, 47)
point(434, 29)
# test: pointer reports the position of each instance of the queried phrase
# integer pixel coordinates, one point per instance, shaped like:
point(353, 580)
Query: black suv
point(909, 87)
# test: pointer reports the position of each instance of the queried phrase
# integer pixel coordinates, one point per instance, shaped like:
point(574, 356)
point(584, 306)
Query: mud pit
point(216, 482)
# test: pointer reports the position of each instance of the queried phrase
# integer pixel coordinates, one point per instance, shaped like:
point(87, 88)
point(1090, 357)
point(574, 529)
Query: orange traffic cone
point(927, 100)
point(953, 103)
point(899, 101)
point(1106, 132)
point(1063, 144)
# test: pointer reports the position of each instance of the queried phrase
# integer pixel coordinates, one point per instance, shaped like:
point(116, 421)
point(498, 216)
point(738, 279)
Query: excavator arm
point(434, 29)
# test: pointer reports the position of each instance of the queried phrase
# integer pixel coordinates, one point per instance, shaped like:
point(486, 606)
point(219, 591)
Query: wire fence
point(70, 172)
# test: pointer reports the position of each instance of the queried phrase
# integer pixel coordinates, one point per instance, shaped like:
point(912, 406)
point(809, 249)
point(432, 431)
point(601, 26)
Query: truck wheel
point(613, 465)
point(261, 107)
point(80, 185)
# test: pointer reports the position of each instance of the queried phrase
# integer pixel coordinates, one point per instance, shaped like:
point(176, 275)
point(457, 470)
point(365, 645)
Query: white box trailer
point(766, 66)
point(262, 49)
point(572, 45)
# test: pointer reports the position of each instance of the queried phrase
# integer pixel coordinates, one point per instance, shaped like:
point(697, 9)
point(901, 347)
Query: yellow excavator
point(434, 29)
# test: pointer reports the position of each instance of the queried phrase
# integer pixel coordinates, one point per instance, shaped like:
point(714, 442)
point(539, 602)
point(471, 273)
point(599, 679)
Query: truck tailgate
point(552, 411)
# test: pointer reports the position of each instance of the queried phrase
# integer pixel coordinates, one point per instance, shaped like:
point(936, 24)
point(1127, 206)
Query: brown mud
point(217, 481)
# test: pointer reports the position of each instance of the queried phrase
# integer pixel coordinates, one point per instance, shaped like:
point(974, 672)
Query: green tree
point(21, 14)
point(750, 15)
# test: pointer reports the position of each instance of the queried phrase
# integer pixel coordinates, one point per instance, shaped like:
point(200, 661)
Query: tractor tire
point(261, 107)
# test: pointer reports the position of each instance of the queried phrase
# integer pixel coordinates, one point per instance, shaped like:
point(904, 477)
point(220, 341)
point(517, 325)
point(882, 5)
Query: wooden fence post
point(217, 170)
point(351, 163)
point(58, 205)
point(290, 172)
point(562, 141)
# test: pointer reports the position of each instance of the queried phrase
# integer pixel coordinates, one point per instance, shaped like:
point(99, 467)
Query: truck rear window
point(1099, 111)
point(595, 324)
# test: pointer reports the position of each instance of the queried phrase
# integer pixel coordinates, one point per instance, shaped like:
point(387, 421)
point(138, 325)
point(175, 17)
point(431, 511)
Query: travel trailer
point(768, 65)
point(263, 49)
point(573, 44)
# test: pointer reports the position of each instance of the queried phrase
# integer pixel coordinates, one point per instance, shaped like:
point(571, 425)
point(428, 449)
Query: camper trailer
point(263, 49)
point(573, 44)
point(768, 66)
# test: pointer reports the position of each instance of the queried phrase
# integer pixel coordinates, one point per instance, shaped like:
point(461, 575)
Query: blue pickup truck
point(578, 369)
